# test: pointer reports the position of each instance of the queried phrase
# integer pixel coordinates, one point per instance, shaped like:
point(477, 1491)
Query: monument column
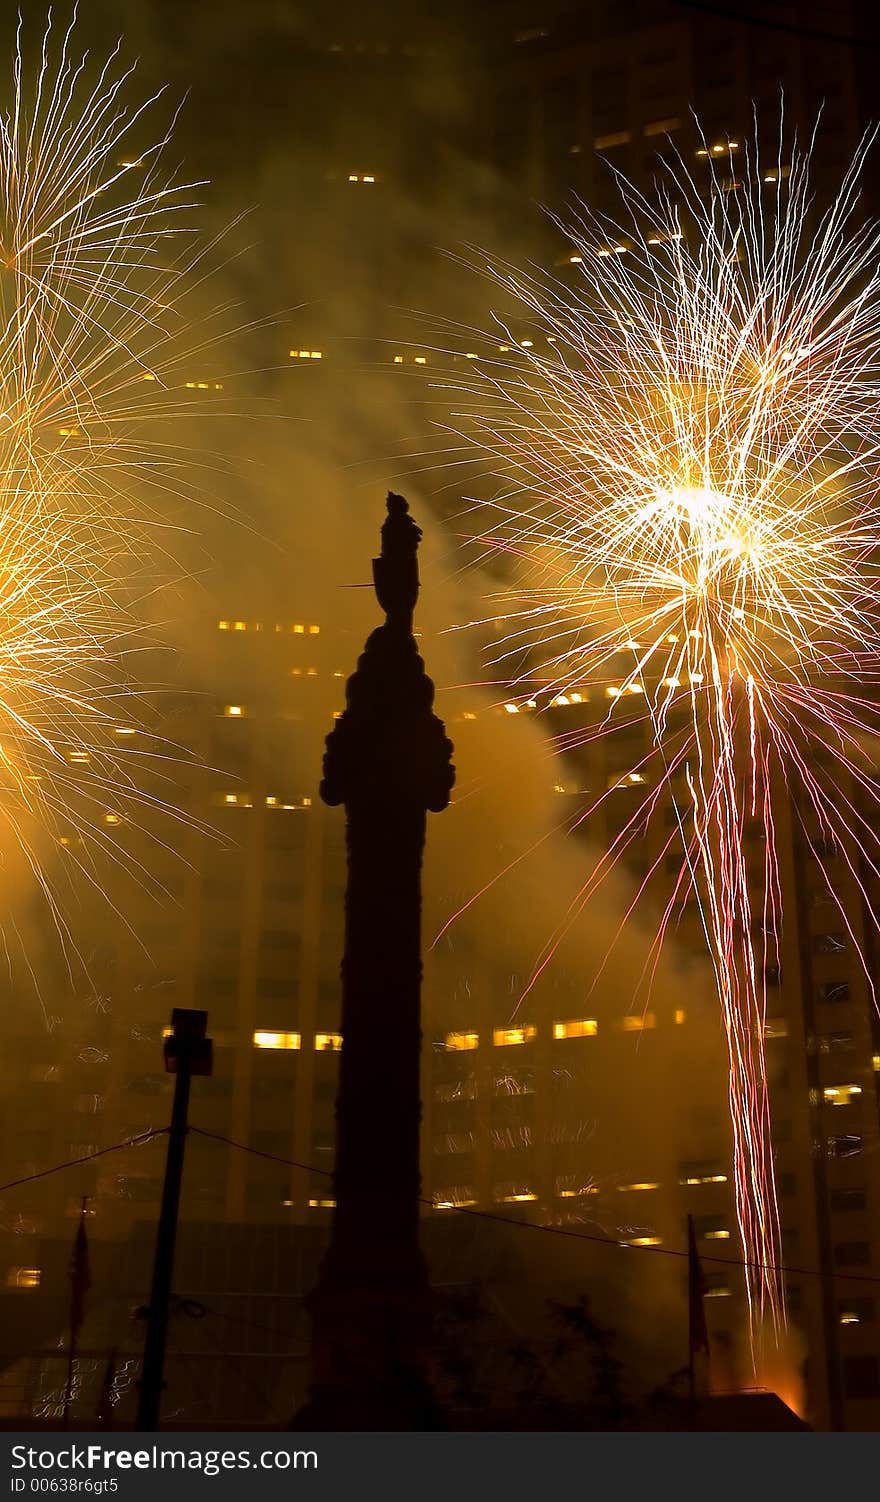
point(388, 761)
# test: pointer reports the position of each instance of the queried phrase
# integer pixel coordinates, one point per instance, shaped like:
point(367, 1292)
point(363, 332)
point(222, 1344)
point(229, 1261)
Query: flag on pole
point(698, 1330)
point(80, 1274)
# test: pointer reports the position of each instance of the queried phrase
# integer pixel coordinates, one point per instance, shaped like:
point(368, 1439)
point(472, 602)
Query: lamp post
point(187, 1051)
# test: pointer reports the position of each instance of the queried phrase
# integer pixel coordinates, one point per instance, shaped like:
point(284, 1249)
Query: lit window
point(647, 1240)
point(124, 730)
point(471, 354)
point(398, 359)
point(322, 1204)
point(637, 1024)
point(633, 1188)
point(504, 1037)
point(263, 1039)
point(630, 779)
point(23, 1277)
point(575, 260)
point(455, 1197)
point(840, 1095)
point(224, 625)
point(420, 360)
point(584, 1027)
point(513, 1194)
point(662, 127)
point(233, 711)
point(328, 1042)
point(110, 818)
point(711, 1228)
point(512, 708)
point(148, 376)
point(856, 1311)
point(678, 1016)
point(614, 138)
point(80, 758)
point(459, 1042)
point(701, 1173)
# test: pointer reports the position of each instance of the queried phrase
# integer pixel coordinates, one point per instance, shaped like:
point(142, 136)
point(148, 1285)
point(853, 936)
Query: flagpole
point(78, 1284)
point(105, 1403)
point(698, 1333)
point(68, 1391)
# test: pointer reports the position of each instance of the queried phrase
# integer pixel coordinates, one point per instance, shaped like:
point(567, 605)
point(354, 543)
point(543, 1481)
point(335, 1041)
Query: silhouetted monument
point(388, 761)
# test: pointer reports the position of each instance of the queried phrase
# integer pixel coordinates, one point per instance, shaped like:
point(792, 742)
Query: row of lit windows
point(324, 1042)
point(271, 800)
point(841, 1095)
point(281, 628)
point(306, 354)
point(560, 701)
point(577, 1027)
point(502, 1037)
point(149, 375)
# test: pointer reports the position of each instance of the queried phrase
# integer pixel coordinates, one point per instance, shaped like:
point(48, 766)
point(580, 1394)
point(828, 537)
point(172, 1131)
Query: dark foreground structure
point(388, 761)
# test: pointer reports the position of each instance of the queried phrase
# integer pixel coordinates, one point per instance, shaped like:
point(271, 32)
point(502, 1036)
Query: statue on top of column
point(396, 571)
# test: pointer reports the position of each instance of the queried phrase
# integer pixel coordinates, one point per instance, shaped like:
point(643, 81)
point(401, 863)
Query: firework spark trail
point(90, 334)
point(690, 448)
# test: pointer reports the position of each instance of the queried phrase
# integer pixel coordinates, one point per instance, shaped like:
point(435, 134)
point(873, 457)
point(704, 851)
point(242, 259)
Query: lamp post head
point(187, 1044)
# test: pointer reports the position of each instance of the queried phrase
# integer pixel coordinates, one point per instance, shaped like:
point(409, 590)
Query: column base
point(369, 1350)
